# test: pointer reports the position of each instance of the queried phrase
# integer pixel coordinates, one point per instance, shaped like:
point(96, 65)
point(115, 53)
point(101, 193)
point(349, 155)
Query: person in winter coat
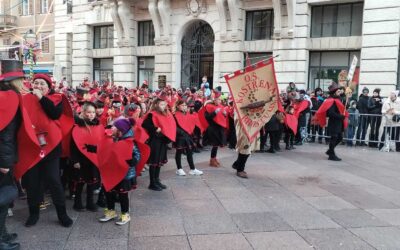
point(315, 129)
point(122, 131)
point(375, 111)
point(362, 107)
point(272, 130)
point(354, 116)
point(10, 122)
point(391, 110)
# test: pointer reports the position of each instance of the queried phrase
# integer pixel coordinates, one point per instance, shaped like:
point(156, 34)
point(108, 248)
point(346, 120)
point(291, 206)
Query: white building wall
point(379, 43)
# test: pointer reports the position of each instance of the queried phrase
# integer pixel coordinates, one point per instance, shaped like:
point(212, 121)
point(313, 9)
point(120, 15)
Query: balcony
point(7, 21)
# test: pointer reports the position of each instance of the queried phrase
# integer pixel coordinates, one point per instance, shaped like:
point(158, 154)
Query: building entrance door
point(197, 59)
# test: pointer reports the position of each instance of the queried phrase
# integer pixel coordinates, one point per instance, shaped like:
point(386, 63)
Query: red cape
point(202, 119)
point(196, 118)
point(28, 145)
point(9, 102)
point(291, 121)
point(91, 136)
point(40, 123)
point(112, 158)
point(185, 121)
point(300, 107)
point(140, 139)
point(320, 116)
point(166, 123)
point(220, 119)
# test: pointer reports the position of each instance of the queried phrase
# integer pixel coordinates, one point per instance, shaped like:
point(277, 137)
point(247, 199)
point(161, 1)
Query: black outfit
point(375, 109)
point(215, 133)
point(363, 122)
point(158, 155)
point(183, 144)
point(272, 129)
point(335, 129)
point(87, 173)
point(8, 158)
point(46, 174)
point(232, 133)
point(289, 138)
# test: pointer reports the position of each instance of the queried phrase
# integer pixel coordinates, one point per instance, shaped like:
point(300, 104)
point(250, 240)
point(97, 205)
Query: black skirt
point(125, 186)
point(183, 140)
point(158, 150)
point(216, 135)
point(87, 173)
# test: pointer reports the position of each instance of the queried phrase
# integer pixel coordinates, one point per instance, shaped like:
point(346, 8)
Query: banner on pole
point(255, 94)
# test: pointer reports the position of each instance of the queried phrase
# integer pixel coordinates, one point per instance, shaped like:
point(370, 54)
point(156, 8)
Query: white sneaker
point(180, 172)
point(123, 219)
point(195, 172)
point(10, 213)
point(108, 215)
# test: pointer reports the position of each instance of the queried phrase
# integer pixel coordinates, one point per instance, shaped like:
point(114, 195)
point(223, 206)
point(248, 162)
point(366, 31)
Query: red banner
point(255, 94)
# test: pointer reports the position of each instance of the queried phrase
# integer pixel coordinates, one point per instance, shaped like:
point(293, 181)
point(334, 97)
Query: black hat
point(333, 87)
point(377, 90)
point(11, 70)
point(365, 89)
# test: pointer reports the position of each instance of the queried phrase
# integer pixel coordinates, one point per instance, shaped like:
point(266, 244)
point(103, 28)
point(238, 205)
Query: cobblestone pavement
point(292, 200)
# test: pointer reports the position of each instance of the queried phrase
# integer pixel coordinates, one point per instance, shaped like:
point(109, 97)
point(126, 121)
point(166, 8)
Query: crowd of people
point(56, 138)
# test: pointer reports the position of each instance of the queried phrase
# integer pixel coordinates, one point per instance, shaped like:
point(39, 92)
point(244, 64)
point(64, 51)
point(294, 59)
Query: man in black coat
point(9, 87)
point(363, 122)
point(375, 109)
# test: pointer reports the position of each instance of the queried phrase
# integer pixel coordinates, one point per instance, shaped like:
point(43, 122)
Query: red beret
point(44, 77)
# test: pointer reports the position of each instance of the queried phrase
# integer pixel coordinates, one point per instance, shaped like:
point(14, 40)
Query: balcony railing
point(7, 21)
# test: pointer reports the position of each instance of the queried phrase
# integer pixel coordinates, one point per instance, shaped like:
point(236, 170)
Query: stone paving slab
point(285, 240)
point(292, 200)
point(333, 239)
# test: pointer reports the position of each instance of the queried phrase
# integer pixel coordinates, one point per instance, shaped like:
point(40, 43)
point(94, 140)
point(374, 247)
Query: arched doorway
point(197, 57)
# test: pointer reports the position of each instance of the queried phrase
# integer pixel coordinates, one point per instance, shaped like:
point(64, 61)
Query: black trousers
point(362, 128)
point(274, 139)
point(333, 142)
point(374, 134)
point(123, 199)
point(3, 216)
point(45, 174)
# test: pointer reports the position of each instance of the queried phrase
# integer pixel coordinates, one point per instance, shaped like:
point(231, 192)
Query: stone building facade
point(17, 18)
point(179, 41)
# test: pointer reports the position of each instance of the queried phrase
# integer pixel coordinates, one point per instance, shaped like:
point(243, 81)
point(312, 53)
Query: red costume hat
point(44, 77)
point(11, 70)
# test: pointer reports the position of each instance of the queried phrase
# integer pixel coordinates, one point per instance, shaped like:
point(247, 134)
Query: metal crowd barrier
point(376, 131)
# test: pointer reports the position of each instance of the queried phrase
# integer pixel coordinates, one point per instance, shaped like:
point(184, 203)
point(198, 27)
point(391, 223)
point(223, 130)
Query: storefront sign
point(352, 69)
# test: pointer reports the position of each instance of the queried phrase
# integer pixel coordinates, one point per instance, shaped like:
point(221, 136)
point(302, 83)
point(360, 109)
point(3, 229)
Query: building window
point(145, 70)
point(146, 33)
point(44, 6)
point(27, 7)
point(252, 58)
point(259, 25)
point(103, 37)
point(45, 42)
point(103, 70)
point(337, 20)
point(328, 67)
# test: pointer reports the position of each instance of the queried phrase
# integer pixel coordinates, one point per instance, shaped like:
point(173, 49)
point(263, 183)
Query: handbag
point(8, 193)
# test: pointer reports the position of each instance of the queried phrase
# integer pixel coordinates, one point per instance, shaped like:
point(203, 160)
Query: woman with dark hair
point(10, 84)
point(45, 109)
point(161, 127)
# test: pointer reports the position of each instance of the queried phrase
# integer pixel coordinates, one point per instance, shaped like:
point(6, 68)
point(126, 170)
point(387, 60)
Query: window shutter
point(30, 7)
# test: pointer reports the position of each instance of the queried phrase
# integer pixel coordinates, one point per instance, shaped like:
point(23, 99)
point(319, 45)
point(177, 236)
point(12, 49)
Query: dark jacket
point(362, 104)
point(375, 105)
point(9, 149)
point(272, 125)
point(335, 122)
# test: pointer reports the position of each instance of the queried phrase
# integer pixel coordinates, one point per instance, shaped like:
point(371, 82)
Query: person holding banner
point(334, 109)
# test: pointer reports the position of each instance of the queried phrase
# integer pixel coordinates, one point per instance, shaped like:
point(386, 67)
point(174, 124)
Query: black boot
point(9, 246)
point(157, 179)
point(78, 198)
point(63, 218)
point(271, 150)
point(333, 157)
point(9, 237)
point(33, 216)
point(153, 185)
point(90, 206)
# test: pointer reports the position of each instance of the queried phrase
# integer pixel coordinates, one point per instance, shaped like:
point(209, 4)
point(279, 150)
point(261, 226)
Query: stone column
point(124, 52)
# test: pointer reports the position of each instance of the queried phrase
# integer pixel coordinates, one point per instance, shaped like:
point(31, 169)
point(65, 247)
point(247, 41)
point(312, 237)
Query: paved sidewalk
point(292, 200)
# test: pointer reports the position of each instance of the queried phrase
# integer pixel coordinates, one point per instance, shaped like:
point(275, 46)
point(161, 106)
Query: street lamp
point(30, 44)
